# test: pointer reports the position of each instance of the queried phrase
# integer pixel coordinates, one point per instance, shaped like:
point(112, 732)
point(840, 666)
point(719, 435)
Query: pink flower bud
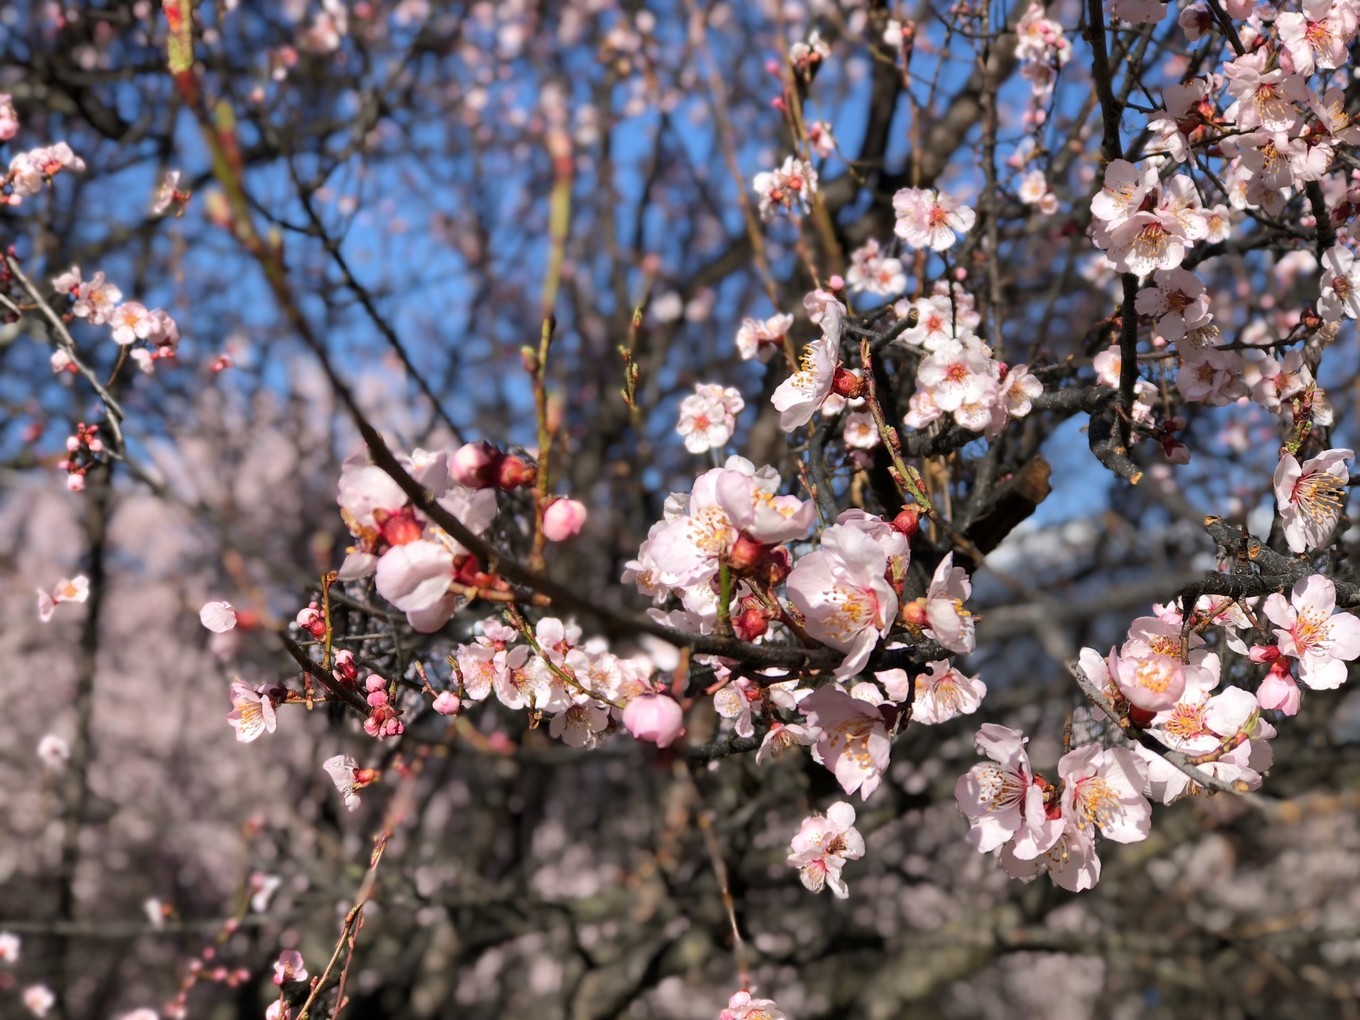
point(562, 519)
point(447, 703)
point(655, 718)
point(218, 617)
point(475, 465)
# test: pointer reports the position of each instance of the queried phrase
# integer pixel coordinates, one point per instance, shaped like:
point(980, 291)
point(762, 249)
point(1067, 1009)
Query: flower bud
point(655, 718)
point(447, 703)
point(745, 554)
point(562, 519)
point(475, 465)
point(846, 384)
point(908, 520)
point(513, 473)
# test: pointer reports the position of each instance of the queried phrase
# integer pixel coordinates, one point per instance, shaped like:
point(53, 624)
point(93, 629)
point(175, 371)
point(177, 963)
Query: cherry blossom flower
point(38, 999)
point(1199, 724)
point(53, 752)
point(1279, 691)
point(1103, 787)
point(1264, 98)
point(930, 219)
point(873, 272)
point(851, 739)
point(1307, 631)
point(68, 589)
point(1311, 496)
point(1125, 187)
point(415, 576)
point(1340, 285)
point(1071, 861)
point(348, 778)
point(753, 508)
point(1002, 800)
point(790, 187)
point(759, 339)
point(843, 596)
point(278, 1010)
point(943, 692)
point(799, 396)
point(743, 1007)
point(821, 847)
point(218, 617)
point(131, 322)
point(655, 718)
point(252, 711)
point(289, 967)
point(9, 948)
point(945, 619)
point(708, 417)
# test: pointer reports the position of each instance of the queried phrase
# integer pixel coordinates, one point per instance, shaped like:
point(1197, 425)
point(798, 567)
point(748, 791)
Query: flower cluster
point(790, 187)
point(100, 303)
point(1039, 826)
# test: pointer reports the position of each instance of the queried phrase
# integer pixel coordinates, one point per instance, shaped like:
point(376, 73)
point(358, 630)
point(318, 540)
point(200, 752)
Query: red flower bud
point(847, 384)
point(908, 520)
point(514, 473)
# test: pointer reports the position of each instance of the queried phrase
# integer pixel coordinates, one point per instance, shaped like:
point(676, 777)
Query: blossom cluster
point(100, 303)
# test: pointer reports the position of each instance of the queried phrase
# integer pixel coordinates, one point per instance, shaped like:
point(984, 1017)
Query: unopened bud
point(907, 521)
point(847, 384)
point(514, 473)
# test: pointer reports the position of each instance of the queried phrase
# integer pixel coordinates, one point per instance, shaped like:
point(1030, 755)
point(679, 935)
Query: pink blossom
point(1264, 98)
point(289, 967)
point(562, 519)
point(1278, 691)
point(752, 506)
point(447, 703)
point(821, 847)
point(708, 417)
point(348, 778)
point(131, 322)
point(218, 617)
point(874, 272)
point(414, 577)
point(252, 711)
point(843, 596)
point(1002, 800)
point(760, 339)
point(68, 589)
point(851, 739)
point(947, 621)
point(799, 396)
point(1308, 631)
point(278, 1010)
point(743, 1007)
point(9, 948)
point(54, 753)
point(38, 999)
point(1071, 861)
point(1340, 285)
point(790, 187)
point(655, 718)
point(943, 692)
point(930, 219)
point(1311, 497)
point(1125, 188)
point(1103, 787)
